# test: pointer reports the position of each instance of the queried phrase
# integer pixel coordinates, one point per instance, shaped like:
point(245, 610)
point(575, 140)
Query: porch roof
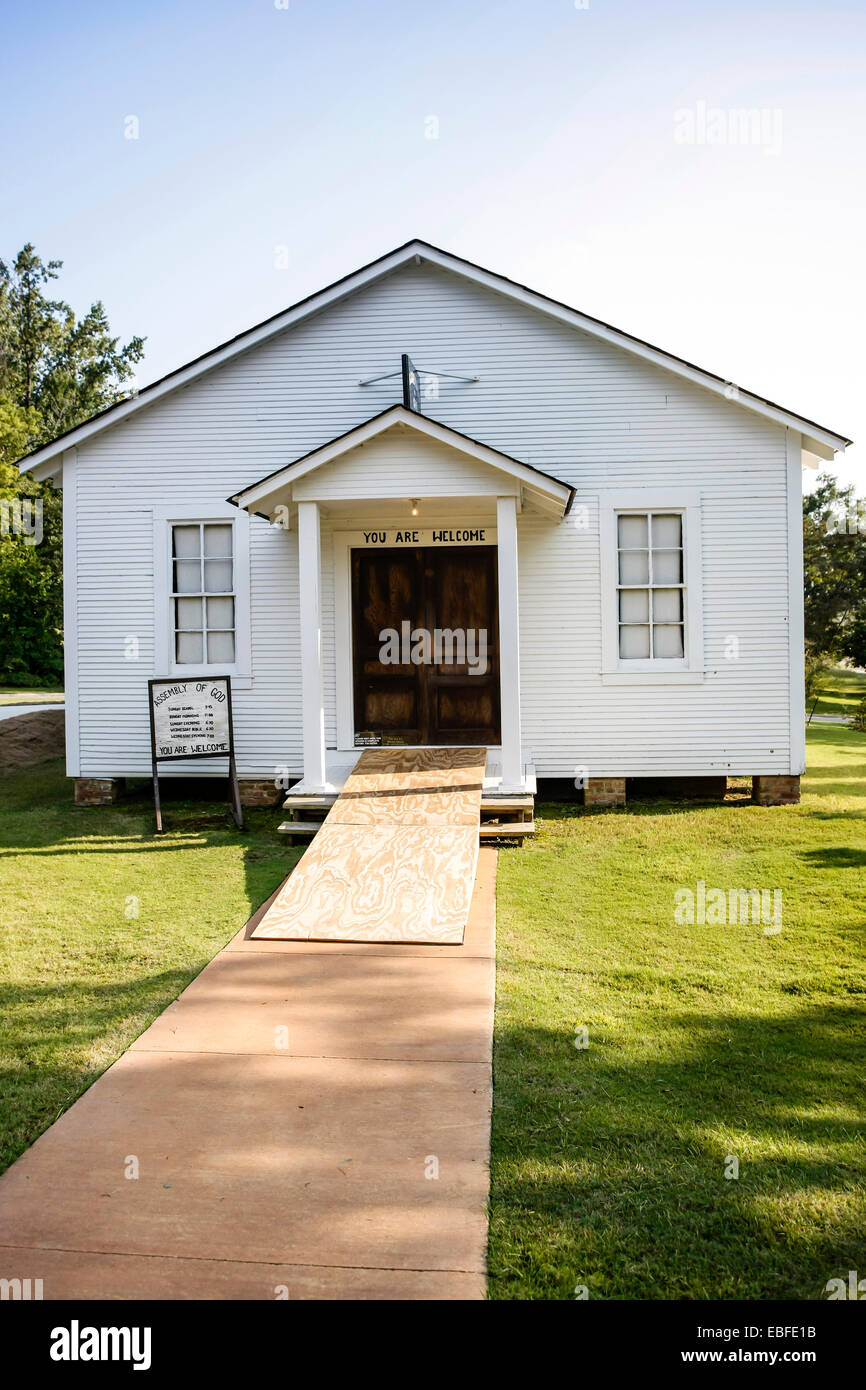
point(262, 497)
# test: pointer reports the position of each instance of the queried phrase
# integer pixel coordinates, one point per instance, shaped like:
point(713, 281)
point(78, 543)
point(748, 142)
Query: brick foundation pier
point(604, 791)
point(776, 790)
point(258, 792)
point(98, 791)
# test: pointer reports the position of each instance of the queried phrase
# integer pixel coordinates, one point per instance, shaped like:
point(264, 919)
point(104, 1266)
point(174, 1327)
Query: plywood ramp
point(395, 858)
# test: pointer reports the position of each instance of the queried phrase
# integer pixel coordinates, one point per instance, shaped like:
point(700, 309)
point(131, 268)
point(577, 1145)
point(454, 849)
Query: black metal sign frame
point(235, 801)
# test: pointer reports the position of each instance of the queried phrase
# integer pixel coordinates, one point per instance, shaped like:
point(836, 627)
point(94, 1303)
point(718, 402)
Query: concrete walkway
point(307, 1120)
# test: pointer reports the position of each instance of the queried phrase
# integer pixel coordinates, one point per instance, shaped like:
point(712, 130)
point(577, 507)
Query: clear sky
point(578, 150)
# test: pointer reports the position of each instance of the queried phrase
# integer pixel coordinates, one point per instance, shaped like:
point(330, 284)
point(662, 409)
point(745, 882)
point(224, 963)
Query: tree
point(55, 371)
point(855, 637)
point(834, 557)
point(65, 368)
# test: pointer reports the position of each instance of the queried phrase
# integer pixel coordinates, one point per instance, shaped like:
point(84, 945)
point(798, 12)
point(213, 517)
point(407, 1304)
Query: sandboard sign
point(192, 719)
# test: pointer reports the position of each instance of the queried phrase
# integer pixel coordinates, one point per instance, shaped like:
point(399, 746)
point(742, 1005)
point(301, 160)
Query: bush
point(31, 597)
point(818, 667)
point(858, 718)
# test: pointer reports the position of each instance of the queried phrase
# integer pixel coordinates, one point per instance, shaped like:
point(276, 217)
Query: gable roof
point(545, 487)
point(817, 438)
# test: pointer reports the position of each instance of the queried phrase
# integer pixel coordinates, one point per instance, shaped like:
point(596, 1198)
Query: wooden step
point(507, 830)
point(489, 804)
point(300, 827)
point(506, 803)
point(308, 803)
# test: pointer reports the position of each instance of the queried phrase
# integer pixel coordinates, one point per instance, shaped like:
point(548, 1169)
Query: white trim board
point(796, 613)
point(70, 611)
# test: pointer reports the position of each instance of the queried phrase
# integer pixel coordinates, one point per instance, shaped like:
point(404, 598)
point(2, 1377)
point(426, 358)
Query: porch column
point(509, 643)
point(312, 688)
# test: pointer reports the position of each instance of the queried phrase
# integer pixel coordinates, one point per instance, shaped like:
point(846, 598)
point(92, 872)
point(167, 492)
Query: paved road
point(12, 711)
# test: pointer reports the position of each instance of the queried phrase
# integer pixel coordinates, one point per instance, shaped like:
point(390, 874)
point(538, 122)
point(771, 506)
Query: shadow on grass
point(39, 816)
point(37, 1082)
point(839, 857)
point(83, 1010)
point(609, 1167)
point(573, 811)
point(63, 1025)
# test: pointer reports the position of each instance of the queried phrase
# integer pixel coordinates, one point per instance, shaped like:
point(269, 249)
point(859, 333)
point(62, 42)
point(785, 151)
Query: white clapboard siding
point(548, 394)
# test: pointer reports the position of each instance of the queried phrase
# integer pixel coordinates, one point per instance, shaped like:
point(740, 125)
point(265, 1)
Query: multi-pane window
point(650, 591)
point(203, 593)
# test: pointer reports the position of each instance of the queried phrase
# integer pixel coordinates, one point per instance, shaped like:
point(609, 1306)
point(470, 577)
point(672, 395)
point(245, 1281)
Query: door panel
point(451, 700)
point(386, 590)
point(463, 696)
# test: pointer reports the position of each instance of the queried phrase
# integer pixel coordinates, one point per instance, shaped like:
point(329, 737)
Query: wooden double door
point(404, 594)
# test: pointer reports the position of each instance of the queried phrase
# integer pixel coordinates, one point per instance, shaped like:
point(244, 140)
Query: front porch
point(355, 496)
point(504, 814)
point(339, 764)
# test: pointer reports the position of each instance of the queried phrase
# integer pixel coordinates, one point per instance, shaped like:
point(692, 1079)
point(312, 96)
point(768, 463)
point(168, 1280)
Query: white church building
point(428, 506)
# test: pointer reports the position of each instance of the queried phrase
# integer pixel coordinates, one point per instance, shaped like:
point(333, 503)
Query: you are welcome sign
point(192, 719)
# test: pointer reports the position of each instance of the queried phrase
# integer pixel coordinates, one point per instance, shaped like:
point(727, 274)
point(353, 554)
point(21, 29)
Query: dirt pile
point(28, 739)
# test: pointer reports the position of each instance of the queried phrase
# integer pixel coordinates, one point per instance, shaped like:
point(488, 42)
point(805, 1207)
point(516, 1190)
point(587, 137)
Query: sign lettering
point(431, 536)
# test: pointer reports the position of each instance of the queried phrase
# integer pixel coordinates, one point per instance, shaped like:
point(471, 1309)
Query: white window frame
point(164, 518)
point(617, 670)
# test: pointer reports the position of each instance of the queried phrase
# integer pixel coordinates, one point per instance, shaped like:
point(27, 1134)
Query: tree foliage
point(56, 370)
point(834, 559)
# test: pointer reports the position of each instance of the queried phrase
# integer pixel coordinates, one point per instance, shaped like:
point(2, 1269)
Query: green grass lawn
point(841, 692)
point(608, 1162)
point(79, 979)
point(704, 1041)
point(12, 695)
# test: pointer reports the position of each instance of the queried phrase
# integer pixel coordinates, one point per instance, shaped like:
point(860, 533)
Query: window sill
point(678, 677)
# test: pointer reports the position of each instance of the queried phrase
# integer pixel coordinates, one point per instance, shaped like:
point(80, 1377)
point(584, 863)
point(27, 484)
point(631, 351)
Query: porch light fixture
point(414, 504)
